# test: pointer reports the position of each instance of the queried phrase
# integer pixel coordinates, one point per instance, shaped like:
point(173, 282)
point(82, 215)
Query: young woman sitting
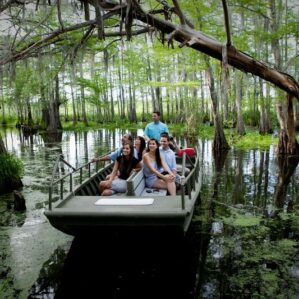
point(123, 167)
point(153, 166)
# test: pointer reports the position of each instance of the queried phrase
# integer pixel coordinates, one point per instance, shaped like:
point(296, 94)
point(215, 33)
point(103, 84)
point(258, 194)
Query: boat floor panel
point(161, 204)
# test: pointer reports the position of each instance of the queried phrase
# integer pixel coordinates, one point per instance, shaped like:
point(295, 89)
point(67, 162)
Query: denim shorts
point(119, 186)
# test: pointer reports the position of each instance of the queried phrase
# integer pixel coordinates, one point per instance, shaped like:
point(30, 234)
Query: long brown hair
point(142, 146)
point(157, 152)
point(126, 164)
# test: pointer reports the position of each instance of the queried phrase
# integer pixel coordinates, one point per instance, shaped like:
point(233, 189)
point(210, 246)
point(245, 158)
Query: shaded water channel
point(243, 241)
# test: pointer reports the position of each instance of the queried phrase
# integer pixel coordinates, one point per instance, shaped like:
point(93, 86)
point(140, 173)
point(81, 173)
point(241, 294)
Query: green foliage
point(10, 166)
point(240, 220)
point(69, 126)
point(171, 85)
point(97, 85)
point(251, 140)
point(116, 124)
point(9, 120)
point(205, 131)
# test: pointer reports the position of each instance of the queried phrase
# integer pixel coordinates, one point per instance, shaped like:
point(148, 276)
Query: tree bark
point(287, 168)
point(84, 116)
point(50, 112)
point(220, 143)
point(73, 77)
point(240, 122)
point(287, 143)
point(2, 146)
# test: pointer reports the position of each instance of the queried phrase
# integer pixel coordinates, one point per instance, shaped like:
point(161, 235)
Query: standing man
point(155, 128)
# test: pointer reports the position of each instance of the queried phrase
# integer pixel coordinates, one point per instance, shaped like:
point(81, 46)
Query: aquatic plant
point(10, 167)
point(251, 140)
point(255, 255)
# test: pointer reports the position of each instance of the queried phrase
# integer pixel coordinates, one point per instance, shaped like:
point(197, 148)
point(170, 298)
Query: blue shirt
point(169, 158)
point(117, 153)
point(154, 130)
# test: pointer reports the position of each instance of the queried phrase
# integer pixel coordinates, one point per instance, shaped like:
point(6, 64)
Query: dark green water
point(243, 242)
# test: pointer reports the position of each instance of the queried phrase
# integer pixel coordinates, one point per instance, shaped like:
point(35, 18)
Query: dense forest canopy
point(73, 59)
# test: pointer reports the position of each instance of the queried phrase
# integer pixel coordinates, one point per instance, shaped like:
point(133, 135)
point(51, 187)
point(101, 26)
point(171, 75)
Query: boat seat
point(136, 187)
point(153, 192)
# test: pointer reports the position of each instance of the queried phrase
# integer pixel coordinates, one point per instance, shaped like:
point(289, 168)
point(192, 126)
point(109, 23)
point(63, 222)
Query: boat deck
point(81, 211)
point(161, 204)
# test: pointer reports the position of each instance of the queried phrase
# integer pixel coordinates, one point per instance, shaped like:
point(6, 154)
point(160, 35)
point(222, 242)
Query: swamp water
point(243, 241)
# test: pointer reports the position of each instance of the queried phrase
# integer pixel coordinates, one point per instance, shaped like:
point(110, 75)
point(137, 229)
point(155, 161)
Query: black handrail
point(69, 174)
point(189, 181)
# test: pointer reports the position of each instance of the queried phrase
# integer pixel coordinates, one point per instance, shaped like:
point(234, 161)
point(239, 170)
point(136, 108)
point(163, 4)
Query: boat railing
point(189, 182)
point(80, 173)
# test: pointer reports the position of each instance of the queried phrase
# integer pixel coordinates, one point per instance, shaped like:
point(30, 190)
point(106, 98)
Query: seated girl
point(153, 166)
point(123, 167)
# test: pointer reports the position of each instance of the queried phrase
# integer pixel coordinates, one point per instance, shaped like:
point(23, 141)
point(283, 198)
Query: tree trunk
point(240, 121)
point(111, 97)
point(121, 91)
point(73, 76)
point(157, 100)
point(84, 116)
point(50, 113)
point(265, 126)
point(2, 146)
point(287, 137)
point(287, 167)
point(29, 113)
point(219, 144)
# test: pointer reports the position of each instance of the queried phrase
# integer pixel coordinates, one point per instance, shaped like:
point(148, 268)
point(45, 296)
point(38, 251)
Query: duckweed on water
point(252, 140)
point(242, 220)
point(255, 263)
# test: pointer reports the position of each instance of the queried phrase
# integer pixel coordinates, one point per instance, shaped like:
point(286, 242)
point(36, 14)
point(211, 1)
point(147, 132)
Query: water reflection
point(49, 276)
point(139, 264)
point(254, 240)
point(287, 167)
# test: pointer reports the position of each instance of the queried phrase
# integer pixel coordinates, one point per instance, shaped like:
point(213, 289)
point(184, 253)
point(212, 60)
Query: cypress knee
point(19, 201)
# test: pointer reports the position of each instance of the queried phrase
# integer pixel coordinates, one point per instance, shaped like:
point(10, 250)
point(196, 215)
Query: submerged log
point(19, 201)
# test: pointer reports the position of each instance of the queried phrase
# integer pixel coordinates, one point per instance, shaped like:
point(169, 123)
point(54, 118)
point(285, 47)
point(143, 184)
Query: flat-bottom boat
point(79, 208)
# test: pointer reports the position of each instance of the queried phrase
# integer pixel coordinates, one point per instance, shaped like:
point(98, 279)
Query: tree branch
point(184, 35)
point(58, 3)
point(179, 12)
point(227, 25)
point(213, 48)
point(42, 42)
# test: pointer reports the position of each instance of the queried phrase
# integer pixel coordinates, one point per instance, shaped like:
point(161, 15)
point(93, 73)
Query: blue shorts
point(119, 186)
point(150, 181)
